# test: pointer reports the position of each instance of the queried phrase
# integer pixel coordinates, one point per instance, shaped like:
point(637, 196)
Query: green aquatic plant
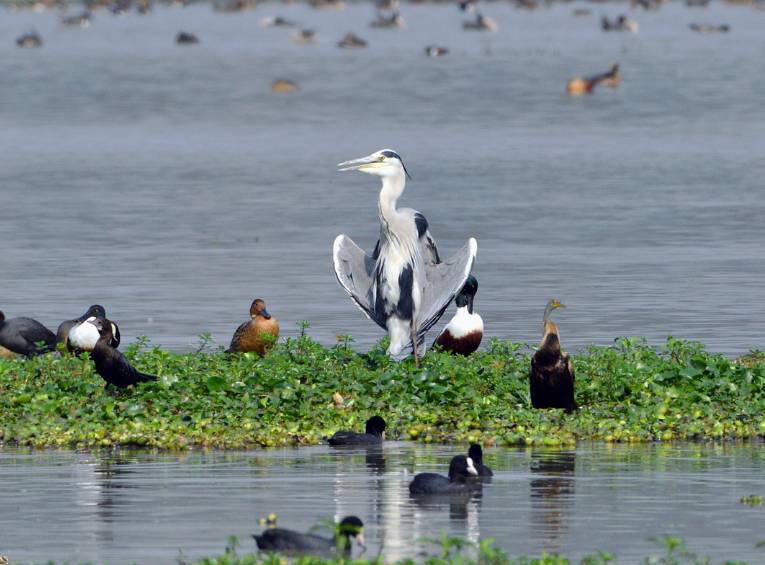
point(302, 392)
point(457, 551)
point(751, 500)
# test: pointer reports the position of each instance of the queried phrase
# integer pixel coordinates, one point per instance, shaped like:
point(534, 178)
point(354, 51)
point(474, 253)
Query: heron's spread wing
point(444, 281)
point(354, 270)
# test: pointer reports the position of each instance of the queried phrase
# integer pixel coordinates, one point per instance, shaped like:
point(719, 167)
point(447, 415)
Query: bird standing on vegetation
point(110, 363)
point(280, 539)
point(403, 286)
point(65, 328)
point(463, 333)
point(84, 336)
point(374, 434)
point(257, 335)
point(552, 375)
point(25, 336)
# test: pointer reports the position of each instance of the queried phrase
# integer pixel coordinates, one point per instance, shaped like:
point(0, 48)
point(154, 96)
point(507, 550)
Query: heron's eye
point(381, 158)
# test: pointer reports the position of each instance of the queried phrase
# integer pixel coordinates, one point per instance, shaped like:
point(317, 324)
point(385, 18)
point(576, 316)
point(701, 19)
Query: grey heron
point(404, 287)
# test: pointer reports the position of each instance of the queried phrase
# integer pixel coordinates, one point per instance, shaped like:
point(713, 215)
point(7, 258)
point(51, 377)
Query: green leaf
point(215, 384)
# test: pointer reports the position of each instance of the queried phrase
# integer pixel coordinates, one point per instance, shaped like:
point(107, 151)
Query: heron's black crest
point(393, 155)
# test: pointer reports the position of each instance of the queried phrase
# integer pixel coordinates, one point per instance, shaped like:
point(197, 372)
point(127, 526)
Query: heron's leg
point(414, 346)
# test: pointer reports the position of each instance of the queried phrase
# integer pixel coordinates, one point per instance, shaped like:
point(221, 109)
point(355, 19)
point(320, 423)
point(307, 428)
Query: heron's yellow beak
point(365, 164)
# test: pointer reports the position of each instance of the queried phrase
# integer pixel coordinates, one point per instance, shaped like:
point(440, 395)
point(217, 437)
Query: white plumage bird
point(403, 286)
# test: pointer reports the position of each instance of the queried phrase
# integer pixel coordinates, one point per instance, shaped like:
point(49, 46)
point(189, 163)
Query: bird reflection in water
point(375, 459)
point(111, 472)
point(552, 493)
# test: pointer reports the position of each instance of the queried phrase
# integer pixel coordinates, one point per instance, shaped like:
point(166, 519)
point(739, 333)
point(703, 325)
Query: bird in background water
point(374, 434)
point(551, 382)
point(463, 334)
point(476, 454)
point(403, 286)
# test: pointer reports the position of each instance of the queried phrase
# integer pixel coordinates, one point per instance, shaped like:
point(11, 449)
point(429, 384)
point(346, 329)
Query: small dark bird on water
point(436, 51)
point(375, 434)
point(476, 454)
point(110, 363)
point(551, 382)
point(30, 40)
point(25, 336)
point(186, 38)
point(281, 540)
point(65, 327)
point(463, 334)
point(461, 469)
point(709, 28)
point(351, 41)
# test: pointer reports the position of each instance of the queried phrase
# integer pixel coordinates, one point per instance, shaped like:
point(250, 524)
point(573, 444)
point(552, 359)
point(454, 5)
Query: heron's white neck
point(392, 189)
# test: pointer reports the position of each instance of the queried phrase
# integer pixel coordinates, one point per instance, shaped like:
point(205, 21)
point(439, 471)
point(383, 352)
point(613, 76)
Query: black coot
point(476, 454)
point(375, 433)
point(280, 539)
point(461, 470)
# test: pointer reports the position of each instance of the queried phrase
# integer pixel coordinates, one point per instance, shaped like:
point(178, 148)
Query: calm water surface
point(129, 507)
point(173, 186)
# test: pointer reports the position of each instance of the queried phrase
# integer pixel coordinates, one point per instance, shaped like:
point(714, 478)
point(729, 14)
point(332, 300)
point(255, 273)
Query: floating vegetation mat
point(303, 392)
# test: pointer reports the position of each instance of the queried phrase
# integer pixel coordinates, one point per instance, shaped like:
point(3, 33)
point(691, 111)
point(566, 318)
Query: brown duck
point(552, 374)
point(254, 335)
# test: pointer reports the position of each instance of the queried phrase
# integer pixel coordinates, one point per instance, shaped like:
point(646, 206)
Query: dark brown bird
point(552, 374)
point(110, 363)
point(257, 335)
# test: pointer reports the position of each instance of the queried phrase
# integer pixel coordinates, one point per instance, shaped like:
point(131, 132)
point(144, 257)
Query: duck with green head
point(463, 334)
point(552, 375)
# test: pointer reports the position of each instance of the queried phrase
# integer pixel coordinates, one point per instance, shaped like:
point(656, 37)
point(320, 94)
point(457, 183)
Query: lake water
point(126, 507)
point(171, 185)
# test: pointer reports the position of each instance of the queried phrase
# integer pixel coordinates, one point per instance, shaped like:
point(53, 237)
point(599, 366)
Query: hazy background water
point(133, 507)
point(171, 185)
